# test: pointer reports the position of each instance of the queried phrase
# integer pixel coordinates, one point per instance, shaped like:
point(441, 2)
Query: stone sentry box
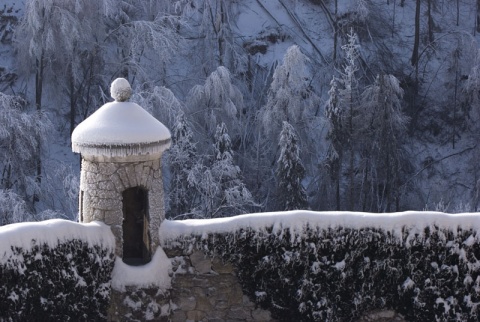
point(121, 181)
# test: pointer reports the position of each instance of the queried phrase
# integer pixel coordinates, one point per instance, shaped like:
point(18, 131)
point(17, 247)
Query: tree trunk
point(40, 65)
point(393, 17)
point(220, 35)
point(335, 33)
point(430, 21)
point(416, 42)
point(351, 171)
point(458, 12)
point(477, 22)
point(39, 82)
point(72, 102)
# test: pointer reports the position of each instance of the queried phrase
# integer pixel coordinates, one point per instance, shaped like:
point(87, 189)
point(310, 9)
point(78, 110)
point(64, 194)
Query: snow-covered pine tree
point(20, 136)
point(162, 103)
point(181, 157)
point(221, 190)
point(382, 105)
point(217, 100)
point(348, 99)
point(290, 172)
point(336, 136)
point(236, 198)
point(290, 97)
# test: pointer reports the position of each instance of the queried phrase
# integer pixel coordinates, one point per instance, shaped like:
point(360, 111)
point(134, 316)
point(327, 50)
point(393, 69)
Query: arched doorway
point(136, 235)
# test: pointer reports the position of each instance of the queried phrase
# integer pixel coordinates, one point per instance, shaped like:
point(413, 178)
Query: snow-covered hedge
point(337, 267)
point(55, 271)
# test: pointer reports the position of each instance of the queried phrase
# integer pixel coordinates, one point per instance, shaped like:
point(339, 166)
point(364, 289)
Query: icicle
point(122, 150)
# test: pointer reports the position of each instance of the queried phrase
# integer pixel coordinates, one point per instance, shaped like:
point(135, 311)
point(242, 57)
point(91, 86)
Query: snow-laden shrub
point(68, 282)
point(338, 274)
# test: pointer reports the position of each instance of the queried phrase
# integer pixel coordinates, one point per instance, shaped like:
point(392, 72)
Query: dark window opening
point(136, 236)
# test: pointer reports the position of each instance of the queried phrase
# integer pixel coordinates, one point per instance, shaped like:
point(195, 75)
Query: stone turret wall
point(102, 182)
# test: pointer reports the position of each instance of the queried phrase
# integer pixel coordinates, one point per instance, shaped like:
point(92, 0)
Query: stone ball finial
point(120, 90)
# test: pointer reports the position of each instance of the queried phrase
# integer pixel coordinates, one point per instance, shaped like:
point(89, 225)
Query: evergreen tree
point(290, 172)
point(218, 100)
point(290, 97)
point(220, 189)
point(20, 136)
point(235, 197)
point(336, 136)
point(382, 105)
point(181, 157)
point(348, 100)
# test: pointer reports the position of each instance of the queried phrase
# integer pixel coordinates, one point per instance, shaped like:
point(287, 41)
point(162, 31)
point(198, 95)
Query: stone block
point(203, 304)
point(246, 302)
point(148, 183)
point(141, 180)
point(117, 183)
point(132, 177)
point(239, 313)
point(106, 185)
point(201, 263)
point(173, 252)
point(221, 304)
point(105, 204)
point(186, 303)
point(122, 175)
point(261, 315)
point(200, 281)
point(235, 297)
point(195, 315)
point(178, 316)
point(222, 267)
point(98, 215)
point(107, 194)
point(90, 166)
point(156, 164)
point(91, 177)
point(107, 168)
point(113, 217)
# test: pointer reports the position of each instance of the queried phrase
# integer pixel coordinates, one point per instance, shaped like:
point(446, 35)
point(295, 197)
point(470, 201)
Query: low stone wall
point(203, 289)
point(139, 304)
point(206, 289)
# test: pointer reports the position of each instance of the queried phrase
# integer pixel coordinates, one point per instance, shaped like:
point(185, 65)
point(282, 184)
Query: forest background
point(359, 105)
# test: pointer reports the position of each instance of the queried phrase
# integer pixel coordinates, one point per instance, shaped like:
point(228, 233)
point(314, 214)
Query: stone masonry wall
point(101, 187)
point(206, 289)
point(203, 289)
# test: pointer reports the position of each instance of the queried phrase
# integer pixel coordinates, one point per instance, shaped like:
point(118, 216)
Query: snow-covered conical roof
point(120, 128)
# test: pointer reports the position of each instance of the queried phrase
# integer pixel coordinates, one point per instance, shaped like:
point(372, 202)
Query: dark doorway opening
point(136, 236)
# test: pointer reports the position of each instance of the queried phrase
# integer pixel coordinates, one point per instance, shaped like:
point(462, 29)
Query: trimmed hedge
point(339, 274)
point(70, 282)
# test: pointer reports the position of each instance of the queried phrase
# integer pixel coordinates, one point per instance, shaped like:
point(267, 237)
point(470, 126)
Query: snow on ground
point(153, 274)
point(296, 221)
point(52, 232)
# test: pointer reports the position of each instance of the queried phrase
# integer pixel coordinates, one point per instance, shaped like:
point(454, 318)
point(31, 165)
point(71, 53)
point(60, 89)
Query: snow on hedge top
point(120, 128)
point(52, 232)
point(414, 221)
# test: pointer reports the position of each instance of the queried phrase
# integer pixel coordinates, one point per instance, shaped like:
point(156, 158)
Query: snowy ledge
point(52, 232)
point(153, 274)
point(414, 221)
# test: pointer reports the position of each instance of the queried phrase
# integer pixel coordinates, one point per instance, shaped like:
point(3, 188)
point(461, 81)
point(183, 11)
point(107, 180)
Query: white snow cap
point(120, 90)
point(120, 129)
